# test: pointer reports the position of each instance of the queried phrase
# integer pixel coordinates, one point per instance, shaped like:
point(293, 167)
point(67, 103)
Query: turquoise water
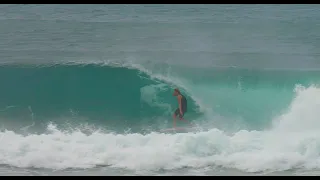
point(89, 87)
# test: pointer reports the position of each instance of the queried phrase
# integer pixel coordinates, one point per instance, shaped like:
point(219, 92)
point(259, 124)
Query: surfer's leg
point(174, 120)
point(176, 112)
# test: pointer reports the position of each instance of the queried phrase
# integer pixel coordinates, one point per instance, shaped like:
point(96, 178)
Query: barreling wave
point(131, 96)
point(275, 106)
point(108, 94)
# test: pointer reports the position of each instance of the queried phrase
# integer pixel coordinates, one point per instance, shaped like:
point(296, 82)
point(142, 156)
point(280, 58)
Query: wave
point(113, 95)
point(292, 142)
point(132, 96)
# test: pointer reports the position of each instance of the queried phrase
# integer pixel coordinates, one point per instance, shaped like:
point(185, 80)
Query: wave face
point(121, 97)
point(110, 95)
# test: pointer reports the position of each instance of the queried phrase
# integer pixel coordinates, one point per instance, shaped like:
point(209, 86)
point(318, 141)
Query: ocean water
point(85, 89)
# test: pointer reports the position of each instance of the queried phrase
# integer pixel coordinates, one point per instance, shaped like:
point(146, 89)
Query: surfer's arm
point(180, 108)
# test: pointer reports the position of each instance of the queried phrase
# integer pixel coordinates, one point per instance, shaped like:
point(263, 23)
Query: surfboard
point(179, 130)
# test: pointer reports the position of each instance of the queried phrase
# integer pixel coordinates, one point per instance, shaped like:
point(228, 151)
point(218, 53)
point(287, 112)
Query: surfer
point(182, 109)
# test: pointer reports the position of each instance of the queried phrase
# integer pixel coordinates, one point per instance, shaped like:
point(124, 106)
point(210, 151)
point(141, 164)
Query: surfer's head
point(176, 92)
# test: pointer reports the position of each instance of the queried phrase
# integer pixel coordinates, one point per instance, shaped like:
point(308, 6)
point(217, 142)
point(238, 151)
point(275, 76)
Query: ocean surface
point(86, 89)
